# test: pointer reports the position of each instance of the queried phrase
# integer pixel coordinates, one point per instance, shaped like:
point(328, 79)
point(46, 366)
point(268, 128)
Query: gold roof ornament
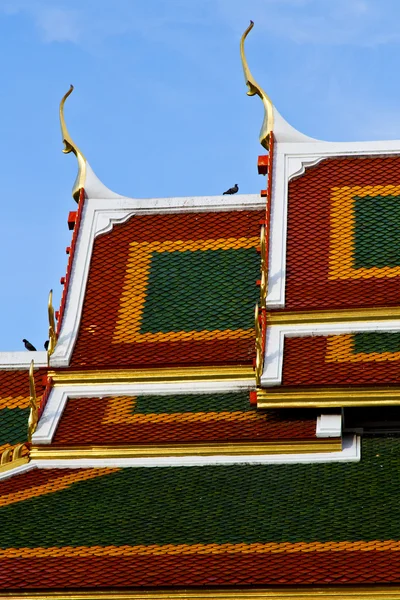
point(70, 146)
point(34, 413)
point(255, 89)
point(52, 327)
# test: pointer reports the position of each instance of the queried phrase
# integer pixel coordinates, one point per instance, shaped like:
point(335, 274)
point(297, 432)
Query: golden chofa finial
point(52, 327)
point(34, 412)
point(69, 146)
point(254, 88)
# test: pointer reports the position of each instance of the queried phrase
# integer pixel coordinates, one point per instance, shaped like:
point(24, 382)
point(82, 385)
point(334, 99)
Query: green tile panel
point(13, 425)
point(201, 290)
point(187, 403)
point(376, 341)
point(221, 504)
point(377, 231)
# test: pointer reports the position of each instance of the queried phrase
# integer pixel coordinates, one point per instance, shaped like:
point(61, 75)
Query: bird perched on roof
point(232, 190)
point(29, 346)
point(46, 345)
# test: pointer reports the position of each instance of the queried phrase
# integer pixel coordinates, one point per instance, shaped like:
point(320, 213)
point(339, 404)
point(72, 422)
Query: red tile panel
point(97, 343)
point(247, 569)
point(309, 283)
point(304, 363)
point(83, 422)
point(14, 387)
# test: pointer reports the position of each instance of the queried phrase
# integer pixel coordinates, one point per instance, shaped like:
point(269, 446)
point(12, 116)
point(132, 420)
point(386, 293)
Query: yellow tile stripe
point(127, 329)
point(120, 409)
point(341, 264)
point(340, 349)
point(186, 549)
point(54, 485)
point(14, 402)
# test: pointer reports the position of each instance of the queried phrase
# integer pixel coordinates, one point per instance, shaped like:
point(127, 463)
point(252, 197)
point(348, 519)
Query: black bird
point(29, 346)
point(232, 190)
point(46, 345)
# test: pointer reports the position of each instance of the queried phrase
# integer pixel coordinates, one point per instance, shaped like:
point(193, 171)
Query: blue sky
point(160, 108)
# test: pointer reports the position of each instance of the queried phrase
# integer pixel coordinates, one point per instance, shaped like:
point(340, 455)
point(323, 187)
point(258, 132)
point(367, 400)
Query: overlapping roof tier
point(239, 525)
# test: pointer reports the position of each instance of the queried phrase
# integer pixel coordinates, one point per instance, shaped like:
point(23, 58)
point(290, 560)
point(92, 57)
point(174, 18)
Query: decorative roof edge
point(323, 445)
point(351, 452)
point(273, 361)
point(99, 215)
point(21, 360)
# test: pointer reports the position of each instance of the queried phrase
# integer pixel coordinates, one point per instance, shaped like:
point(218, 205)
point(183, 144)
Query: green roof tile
point(221, 504)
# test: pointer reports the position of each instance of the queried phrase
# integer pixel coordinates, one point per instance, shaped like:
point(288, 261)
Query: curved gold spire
point(70, 146)
point(52, 327)
point(254, 88)
point(34, 412)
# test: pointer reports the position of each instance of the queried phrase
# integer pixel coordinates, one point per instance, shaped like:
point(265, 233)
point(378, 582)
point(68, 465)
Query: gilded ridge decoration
point(34, 412)
point(255, 89)
point(13, 457)
point(70, 146)
point(259, 346)
point(52, 327)
point(264, 267)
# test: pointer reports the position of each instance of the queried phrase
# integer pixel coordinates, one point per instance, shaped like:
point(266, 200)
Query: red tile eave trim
point(71, 258)
point(46, 394)
point(158, 571)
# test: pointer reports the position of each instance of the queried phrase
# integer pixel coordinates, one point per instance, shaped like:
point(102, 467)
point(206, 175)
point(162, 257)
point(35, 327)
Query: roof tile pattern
point(321, 523)
point(358, 358)
point(14, 404)
point(172, 290)
point(180, 418)
point(343, 237)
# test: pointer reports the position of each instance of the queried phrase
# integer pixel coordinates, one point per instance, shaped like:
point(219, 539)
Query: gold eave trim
point(14, 464)
point(371, 592)
point(326, 397)
point(333, 316)
point(292, 447)
point(152, 375)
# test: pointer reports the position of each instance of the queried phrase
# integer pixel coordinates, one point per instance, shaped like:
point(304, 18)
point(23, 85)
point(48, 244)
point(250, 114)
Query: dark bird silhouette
point(29, 346)
point(232, 190)
point(46, 345)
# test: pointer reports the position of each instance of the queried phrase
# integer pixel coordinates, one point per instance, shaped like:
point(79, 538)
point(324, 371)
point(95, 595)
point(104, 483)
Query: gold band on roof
point(334, 316)
point(328, 397)
point(372, 592)
point(170, 375)
point(163, 450)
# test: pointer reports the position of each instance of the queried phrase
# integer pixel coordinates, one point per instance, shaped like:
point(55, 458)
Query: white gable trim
point(22, 360)
point(276, 334)
point(99, 216)
point(291, 160)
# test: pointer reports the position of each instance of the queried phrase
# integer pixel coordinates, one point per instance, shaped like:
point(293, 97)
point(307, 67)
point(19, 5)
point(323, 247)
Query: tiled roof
point(357, 358)
point(343, 246)
point(179, 418)
point(293, 524)
point(14, 405)
point(172, 289)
